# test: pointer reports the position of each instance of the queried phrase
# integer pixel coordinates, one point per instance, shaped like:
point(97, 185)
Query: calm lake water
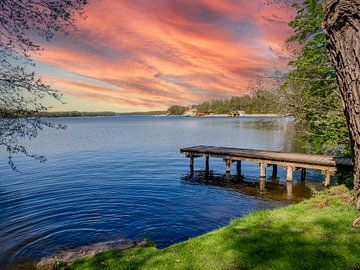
point(109, 178)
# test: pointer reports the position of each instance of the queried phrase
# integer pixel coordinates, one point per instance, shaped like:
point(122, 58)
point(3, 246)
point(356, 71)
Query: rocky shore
point(66, 257)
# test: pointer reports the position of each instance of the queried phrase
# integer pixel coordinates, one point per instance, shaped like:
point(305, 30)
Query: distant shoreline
point(246, 115)
point(150, 113)
point(97, 114)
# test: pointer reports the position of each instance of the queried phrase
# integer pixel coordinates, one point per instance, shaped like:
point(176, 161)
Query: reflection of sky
point(95, 134)
point(140, 55)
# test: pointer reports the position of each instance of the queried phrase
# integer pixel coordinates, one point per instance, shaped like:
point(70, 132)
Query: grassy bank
point(315, 234)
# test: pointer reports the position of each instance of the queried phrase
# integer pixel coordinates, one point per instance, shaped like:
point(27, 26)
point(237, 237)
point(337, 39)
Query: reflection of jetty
point(328, 165)
point(272, 190)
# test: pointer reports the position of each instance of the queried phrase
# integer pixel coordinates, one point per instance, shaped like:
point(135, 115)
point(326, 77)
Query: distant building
point(237, 113)
point(191, 112)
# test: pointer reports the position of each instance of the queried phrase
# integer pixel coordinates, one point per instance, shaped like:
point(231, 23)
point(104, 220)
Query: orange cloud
point(155, 54)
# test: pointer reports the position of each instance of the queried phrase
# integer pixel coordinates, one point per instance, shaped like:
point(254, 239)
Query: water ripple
point(116, 177)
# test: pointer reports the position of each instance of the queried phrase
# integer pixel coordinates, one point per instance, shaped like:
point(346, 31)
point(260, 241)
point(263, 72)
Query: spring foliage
point(312, 86)
point(22, 92)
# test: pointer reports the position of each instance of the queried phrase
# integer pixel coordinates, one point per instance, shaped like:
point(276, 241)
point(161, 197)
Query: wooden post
point(238, 168)
point(262, 169)
point(289, 173)
point(289, 188)
point(327, 178)
point(191, 165)
point(191, 161)
point(207, 164)
point(262, 184)
point(228, 166)
point(303, 174)
point(274, 171)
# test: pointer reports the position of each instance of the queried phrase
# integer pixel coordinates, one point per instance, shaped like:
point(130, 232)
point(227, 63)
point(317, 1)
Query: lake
point(110, 178)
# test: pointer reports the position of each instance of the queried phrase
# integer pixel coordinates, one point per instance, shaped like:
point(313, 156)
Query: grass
point(314, 234)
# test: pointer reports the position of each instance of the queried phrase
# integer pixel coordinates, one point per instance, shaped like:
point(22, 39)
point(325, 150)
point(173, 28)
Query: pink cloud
point(155, 54)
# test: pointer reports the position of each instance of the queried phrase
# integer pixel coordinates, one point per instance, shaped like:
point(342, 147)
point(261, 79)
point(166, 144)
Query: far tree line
point(261, 101)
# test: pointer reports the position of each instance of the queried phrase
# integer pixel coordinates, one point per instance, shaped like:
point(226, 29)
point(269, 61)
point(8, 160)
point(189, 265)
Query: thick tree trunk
point(342, 26)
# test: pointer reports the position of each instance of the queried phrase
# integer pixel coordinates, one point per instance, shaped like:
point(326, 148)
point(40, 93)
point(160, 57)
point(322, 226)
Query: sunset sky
point(138, 55)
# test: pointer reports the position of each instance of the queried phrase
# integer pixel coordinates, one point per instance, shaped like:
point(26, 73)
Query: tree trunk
point(342, 27)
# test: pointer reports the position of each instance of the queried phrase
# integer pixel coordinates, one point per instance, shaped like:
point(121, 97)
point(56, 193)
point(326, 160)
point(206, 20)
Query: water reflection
point(270, 188)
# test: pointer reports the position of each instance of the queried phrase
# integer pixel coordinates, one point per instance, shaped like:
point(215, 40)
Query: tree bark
point(342, 26)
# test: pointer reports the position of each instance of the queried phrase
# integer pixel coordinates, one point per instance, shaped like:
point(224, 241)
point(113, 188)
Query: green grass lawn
point(314, 234)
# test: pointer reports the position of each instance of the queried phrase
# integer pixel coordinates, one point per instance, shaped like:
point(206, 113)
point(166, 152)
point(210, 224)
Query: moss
point(314, 234)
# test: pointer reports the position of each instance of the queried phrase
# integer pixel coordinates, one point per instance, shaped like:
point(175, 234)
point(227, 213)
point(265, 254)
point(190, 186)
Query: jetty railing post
point(274, 171)
point(228, 166)
point(262, 169)
point(238, 168)
point(207, 164)
point(289, 173)
point(303, 174)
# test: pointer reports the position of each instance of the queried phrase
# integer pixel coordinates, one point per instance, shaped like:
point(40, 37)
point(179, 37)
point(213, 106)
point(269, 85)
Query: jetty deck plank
point(321, 162)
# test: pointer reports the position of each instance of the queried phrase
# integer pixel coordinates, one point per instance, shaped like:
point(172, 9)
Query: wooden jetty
point(328, 165)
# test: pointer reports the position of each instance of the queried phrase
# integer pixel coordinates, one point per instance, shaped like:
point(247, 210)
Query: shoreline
point(67, 257)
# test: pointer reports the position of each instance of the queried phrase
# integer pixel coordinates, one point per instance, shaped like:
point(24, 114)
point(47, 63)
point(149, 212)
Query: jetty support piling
point(191, 158)
point(327, 178)
point(228, 166)
point(262, 169)
point(289, 190)
point(262, 184)
point(238, 168)
point(274, 171)
point(303, 174)
point(207, 164)
point(289, 173)
point(329, 165)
